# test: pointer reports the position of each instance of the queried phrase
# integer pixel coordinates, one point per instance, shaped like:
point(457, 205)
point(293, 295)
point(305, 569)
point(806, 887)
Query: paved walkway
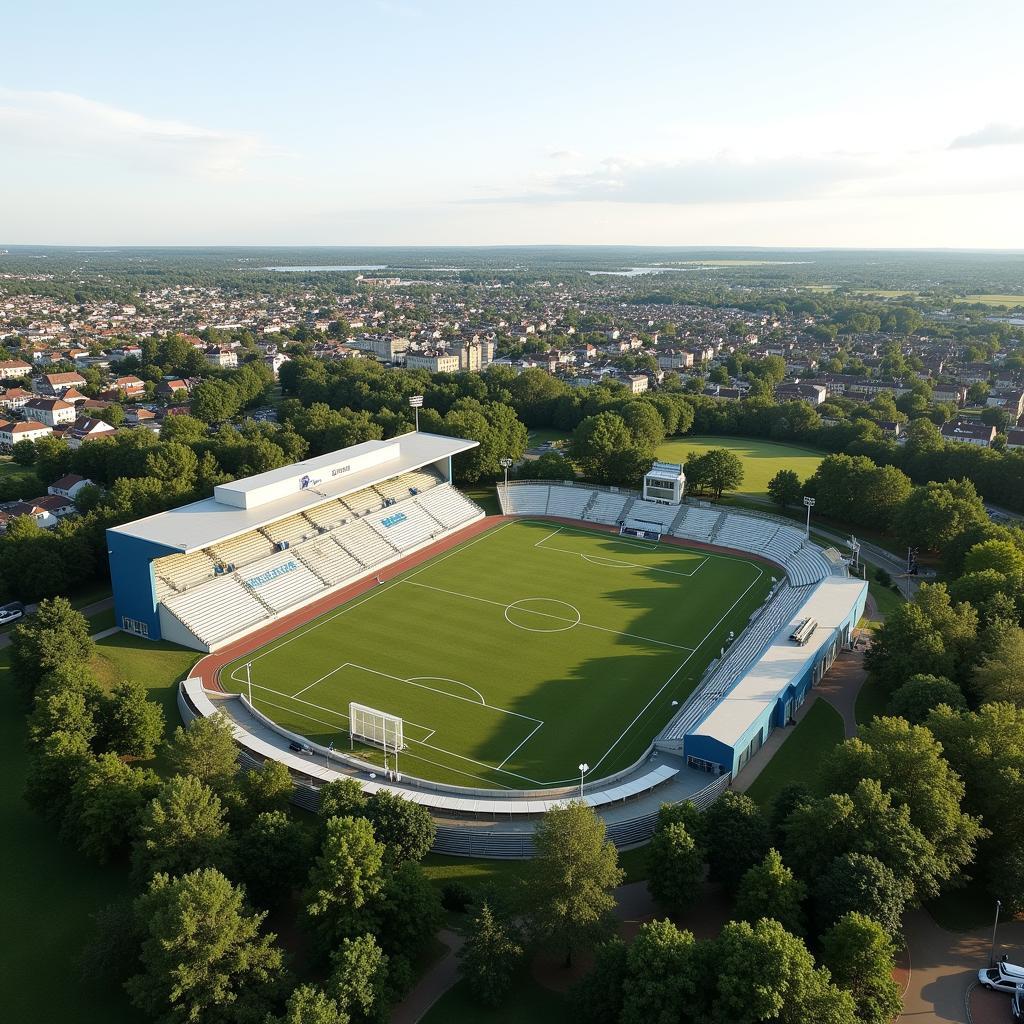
point(944, 965)
point(88, 610)
point(433, 984)
point(841, 685)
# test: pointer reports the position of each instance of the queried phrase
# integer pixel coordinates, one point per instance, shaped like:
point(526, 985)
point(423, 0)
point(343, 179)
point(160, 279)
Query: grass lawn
point(541, 435)
point(529, 1003)
point(886, 599)
point(995, 300)
point(810, 740)
point(871, 702)
point(486, 497)
point(761, 459)
point(497, 651)
point(48, 892)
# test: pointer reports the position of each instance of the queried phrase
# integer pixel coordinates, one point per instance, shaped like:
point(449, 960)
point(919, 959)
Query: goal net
point(378, 728)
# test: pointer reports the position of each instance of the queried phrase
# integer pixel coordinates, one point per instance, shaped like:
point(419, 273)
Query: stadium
point(362, 617)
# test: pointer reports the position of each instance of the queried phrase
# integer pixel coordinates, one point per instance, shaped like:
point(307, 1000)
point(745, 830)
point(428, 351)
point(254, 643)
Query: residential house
point(797, 392)
point(435, 362)
point(675, 359)
point(129, 386)
point(14, 398)
point(86, 429)
point(637, 383)
point(13, 431)
point(11, 369)
point(51, 411)
point(69, 486)
point(221, 357)
point(167, 388)
point(1015, 438)
point(969, 432)
point(57, 383)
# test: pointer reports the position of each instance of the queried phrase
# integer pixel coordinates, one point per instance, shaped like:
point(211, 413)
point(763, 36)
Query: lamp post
point(506, 464)
point(416, 402)
point(809, 503)
point(584, 768)
point(992, 951)
point(248, 679)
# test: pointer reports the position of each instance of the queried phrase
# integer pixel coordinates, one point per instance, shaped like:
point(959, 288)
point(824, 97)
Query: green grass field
point(515, 656)
point(761, 459)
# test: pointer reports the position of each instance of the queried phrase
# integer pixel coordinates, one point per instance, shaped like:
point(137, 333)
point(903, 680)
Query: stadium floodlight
point(809, 502)
point(416, 402)
point(377, 728)
point(506, 464)
point(248, 679)
point(584, 768)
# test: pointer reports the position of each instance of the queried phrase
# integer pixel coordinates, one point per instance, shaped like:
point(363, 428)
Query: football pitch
point(515, 656)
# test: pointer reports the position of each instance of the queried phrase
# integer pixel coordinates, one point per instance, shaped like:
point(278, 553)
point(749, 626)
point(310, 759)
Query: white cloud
point(564, 154)
point(991, 135)
point(60, 123)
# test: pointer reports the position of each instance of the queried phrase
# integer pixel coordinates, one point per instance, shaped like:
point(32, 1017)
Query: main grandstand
point(207, 573)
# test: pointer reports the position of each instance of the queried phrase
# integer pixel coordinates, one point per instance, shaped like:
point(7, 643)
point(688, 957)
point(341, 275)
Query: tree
point(921, 694)
point(207, 751)
point(278, 850)
point(341, 798)
point(597, 998)
point(408, 915)
point(716, 470)
point(862, 958)
point(661, 975)
point(214, 401)
point(607, 451)
point(490, 957)
point(760, 972)
point(1000, 677)
point(204, 957)
point(359, 979)
point(309, 1005)
point(936, 513)
point(131, 724)
point(644, 422)
point(785, 488)
point(571, 879)
point(861, 882)
point(262, 790)
point(907, 760)
point(769, 889)
point(182, 829)
point(675, 867)
point(107, 802)
point(406, 829)
point(56, 636)
point(735, 836)
point(55, 764)
point(344, 879)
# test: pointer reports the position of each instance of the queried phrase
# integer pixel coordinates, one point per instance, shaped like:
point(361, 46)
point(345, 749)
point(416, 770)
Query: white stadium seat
point(218, 609)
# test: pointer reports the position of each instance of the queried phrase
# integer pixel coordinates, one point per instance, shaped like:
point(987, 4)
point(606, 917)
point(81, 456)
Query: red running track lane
point(208, 668)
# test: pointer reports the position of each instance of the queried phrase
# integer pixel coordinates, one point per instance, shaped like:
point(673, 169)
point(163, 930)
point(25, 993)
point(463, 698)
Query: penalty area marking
point(520, 606)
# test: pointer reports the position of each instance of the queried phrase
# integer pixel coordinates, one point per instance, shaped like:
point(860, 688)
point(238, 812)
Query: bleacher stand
point(292, 530)
point(448, 506)
point(363, 502)
point(241, 550)
point(646, 514)
point(568, 502)
point(217, 609)
point(606, 507)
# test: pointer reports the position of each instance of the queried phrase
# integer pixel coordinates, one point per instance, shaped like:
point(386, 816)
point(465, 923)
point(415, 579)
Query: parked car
point(1003, 977)
point(11, 612)
point(305, 748)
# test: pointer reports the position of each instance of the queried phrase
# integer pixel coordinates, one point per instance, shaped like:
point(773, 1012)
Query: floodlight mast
point(506, 464)
point(416, 402)
point(809, 503)
point(584, 768)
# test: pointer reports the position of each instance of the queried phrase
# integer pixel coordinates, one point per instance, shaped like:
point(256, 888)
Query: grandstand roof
point(783, 662)
point(258, 500)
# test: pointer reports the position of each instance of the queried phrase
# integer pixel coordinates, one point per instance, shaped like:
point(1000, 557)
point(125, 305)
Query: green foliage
point(934, 514)
point(309, 1005)
point(785, 488)
point(131, 724)
point(490, 957)
point(55, 637)
point(406, 829)
point(608, 452)
point(675, 867)
point(861, 882)
point(341, 798)
point(854, 490)
point(204, 957)
point(597, 997)
point(735, 837)
point(716, 471)
point(571, 879)
point(345, 878)
point(769, 889)
point(1000, 677)
point(206, 750)
point(862, 958)
point(662, 975)
point(359, 980)
point(278, 849)
point(183, 828)
point(921, 694)
point(261, 790)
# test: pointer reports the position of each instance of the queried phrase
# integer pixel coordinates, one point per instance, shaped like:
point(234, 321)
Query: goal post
point(377, 728)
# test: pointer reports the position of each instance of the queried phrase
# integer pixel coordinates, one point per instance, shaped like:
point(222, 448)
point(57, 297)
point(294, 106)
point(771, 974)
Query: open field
point(995, 300)
point(761, 459)
point(515, 656)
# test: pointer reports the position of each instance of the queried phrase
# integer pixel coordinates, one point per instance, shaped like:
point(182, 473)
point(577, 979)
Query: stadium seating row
point(785, 544)
point(218, 608)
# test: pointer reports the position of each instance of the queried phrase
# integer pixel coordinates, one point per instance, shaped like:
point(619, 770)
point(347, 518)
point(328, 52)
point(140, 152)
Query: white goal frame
point(375, 727)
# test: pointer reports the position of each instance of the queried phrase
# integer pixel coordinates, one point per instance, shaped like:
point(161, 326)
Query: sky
point(897, 124)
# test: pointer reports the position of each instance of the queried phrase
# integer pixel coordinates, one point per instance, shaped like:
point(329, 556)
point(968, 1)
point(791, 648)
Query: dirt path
point(841, 685)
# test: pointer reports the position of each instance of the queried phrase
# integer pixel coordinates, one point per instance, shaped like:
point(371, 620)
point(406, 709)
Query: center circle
point(543, 615)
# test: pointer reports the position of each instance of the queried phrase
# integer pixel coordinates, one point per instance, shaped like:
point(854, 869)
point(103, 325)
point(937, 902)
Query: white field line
point(550, 615)
point(609, 562)
point(515, 749)
point(677, 671)
point(553, 533)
